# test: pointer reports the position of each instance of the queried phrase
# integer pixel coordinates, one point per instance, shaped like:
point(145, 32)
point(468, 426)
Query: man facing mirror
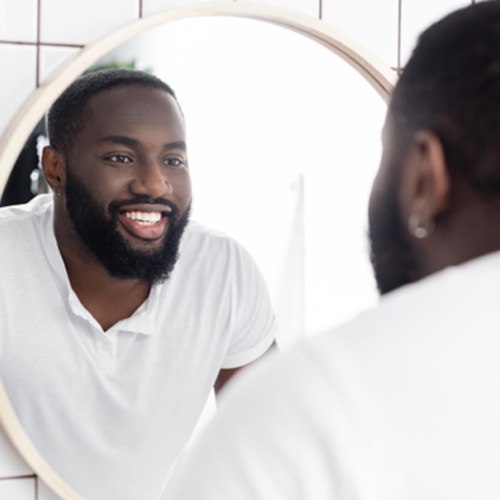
point(403, 402)
point(118, 315)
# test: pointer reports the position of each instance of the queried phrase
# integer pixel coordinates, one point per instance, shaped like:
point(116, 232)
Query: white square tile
point(153, 6)
point(373, 24)
point(53, 58)
point(308, 7)
point(18, 489)
point(18, 20)
point(11, 463)
point(415, 19)
point(20, 63)
point(81, 22)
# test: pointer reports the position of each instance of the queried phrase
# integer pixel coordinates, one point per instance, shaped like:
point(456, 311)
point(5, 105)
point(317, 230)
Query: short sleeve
point(253, 322)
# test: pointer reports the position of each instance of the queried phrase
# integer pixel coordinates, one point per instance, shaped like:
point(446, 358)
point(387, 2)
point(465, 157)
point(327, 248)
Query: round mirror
point(283, 138)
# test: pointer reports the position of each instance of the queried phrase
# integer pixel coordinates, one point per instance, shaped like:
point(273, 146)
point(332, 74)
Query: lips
point(145, 222)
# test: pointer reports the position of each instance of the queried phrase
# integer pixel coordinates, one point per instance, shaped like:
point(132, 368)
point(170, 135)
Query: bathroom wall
point(37, 36)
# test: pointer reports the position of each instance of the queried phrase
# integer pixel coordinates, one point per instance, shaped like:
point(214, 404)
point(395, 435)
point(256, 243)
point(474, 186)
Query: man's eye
point(119, 158)
point(174, 162)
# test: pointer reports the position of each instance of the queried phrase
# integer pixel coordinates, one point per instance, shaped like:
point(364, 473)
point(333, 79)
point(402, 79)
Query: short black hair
point(66, 116)
point(451, 86)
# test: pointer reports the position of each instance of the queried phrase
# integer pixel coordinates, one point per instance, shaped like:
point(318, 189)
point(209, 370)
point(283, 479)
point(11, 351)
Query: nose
point(151, 179)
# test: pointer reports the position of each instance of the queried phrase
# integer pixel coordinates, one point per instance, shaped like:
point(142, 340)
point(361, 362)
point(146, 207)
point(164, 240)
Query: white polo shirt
point(110, 411)
point(401, 403)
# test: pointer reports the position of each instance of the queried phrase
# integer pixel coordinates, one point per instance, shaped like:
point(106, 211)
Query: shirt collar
point(142, 321)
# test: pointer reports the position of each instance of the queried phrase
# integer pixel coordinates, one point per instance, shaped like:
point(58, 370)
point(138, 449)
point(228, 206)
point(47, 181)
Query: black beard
point(99, 235)
point(392, 256)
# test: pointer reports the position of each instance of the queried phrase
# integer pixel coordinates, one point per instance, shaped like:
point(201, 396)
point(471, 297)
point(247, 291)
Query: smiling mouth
point(146, 224)
point(145, 218)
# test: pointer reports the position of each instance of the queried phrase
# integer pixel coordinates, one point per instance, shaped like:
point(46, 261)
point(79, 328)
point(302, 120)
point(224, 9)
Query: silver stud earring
point(418, 229)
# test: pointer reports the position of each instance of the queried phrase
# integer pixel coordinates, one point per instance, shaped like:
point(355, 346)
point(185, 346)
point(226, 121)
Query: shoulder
point(37, 207)
point(20, 221)
point(196, 231)
point(201, 240)
point(23, 232)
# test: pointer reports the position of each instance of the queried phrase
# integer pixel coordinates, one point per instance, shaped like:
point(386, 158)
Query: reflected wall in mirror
point(283, 139)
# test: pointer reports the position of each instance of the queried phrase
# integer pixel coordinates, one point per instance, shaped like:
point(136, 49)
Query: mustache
point(115, 206)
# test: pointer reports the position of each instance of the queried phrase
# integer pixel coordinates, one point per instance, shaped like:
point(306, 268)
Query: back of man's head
point(66, 116)
point(451, 86)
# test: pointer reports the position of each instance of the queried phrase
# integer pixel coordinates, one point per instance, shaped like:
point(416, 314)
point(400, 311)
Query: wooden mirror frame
point(378, 75)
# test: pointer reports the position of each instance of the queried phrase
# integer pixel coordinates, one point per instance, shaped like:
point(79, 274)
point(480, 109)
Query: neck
point(107, 298)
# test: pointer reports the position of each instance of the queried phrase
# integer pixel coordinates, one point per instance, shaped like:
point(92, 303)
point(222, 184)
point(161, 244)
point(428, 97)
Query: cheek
point(110, 185)
point(102, 183)
point(183, 189)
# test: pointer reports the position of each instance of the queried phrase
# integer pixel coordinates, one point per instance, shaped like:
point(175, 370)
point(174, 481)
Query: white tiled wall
point(414, 19)
point(17, 481)
point(19, 78)
point(81, 22)
point(18, 20)
point(387, 27)
point(18, 489)
point(11, 465)
point(154, 6)
point(52, 58)
point(307, 7)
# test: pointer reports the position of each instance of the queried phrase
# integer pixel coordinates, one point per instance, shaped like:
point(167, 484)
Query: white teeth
point(144, 217)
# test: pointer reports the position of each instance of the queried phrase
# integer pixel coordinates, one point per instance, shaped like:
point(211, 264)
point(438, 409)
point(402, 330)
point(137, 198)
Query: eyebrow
point(128, 141)
point(119, 139)
point(176, 145)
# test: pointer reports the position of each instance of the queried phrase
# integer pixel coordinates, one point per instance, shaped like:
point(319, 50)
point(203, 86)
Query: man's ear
point(425, 183)
point(54, 168)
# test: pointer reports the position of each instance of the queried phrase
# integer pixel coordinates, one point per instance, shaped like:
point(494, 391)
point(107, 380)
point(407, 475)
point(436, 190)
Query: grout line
point(16, 42)
point(42, 44)
point(9, 478)
point(320, 12)
point(141, 9)
point(400, 8)
point(36, 487)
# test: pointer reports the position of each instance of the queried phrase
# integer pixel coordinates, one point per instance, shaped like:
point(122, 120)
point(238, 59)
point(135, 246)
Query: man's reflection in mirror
point(119, 315)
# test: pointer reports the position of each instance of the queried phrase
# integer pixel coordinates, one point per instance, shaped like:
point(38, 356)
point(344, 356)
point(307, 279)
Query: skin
point(465, 221)
point(133, 143)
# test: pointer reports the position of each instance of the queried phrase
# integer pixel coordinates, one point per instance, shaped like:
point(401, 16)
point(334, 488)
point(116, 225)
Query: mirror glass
point(284, 142)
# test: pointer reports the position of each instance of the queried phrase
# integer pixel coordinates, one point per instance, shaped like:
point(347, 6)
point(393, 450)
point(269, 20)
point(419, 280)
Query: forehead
point(132, 110)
